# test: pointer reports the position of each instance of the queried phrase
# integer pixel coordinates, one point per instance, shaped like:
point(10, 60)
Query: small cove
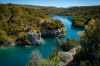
point(18, 56)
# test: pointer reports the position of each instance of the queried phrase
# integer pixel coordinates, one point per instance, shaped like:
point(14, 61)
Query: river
point(19, 56)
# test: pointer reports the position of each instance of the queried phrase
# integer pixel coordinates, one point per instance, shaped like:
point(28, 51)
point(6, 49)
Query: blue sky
point(57, 3)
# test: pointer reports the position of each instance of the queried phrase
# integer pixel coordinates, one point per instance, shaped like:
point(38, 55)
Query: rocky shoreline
point(67, 57)
point(29, 36)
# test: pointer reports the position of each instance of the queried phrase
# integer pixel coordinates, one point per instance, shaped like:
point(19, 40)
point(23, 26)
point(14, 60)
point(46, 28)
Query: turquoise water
point(19, 56)
point(72, 32)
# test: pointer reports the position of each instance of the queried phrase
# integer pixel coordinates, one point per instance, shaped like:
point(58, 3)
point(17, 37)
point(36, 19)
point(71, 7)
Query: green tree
point(90, 44)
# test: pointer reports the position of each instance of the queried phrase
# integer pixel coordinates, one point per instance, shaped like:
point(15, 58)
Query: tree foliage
point(90, 42)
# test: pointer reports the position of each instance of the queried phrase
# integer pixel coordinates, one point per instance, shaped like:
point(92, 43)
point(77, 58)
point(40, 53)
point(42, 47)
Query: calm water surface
point(19, 56)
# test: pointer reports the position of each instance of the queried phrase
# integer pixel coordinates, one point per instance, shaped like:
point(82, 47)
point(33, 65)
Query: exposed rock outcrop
point(67, 57)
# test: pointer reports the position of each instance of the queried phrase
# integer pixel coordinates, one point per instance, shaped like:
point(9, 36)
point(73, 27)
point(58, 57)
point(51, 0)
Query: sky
point(55, 3)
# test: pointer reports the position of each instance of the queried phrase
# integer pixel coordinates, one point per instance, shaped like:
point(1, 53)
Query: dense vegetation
point(17, 20)
point(89, 55)
point(82, 15)
point(89, 18)
point(49, 28)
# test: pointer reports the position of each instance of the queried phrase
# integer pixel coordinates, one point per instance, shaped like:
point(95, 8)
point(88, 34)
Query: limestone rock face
point(67, 57)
